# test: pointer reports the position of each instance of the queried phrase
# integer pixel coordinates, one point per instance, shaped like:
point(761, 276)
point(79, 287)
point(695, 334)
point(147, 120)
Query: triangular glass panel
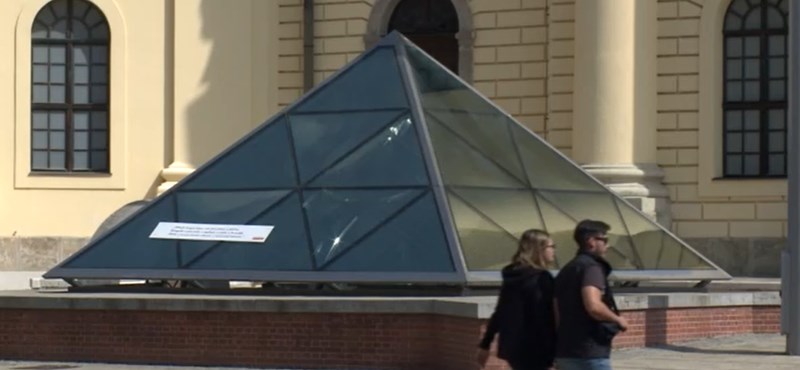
point(513, 210)
point(373, 82)
point(647, 237)
point(414, 241)
point(547, 169)
point(262, 160)
point(321, 139)
point(656, 248)
point(233, 208)
point(487, 133)
point(462, 165)
point(669, 256)
point(339, 218)
point(674, 256)
point(391, 158)
point(286, 248)
point(689, 260)
point(580, 206)
point(129, 246)
point(439, 89)
point(486, 246)
point(560, 226)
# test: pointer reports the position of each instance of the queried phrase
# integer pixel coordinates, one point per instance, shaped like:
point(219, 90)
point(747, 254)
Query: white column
point(614, 133)
point(177, 35)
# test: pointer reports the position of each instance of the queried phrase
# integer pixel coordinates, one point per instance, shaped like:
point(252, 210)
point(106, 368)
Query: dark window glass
point(432, 25)
point(69, 88)
point(755, 77)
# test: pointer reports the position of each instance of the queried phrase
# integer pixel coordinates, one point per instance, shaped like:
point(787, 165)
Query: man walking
point(587, 314)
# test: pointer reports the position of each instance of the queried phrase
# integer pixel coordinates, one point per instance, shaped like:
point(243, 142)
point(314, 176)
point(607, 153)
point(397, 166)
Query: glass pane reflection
point(513, 210)
point(485, 245)
point(321, 139)
point(339, 218)
point(391, 158)
point(580, 206)
point(488, 133)
point(392, 248)
point(547, 169)
point(462, 165)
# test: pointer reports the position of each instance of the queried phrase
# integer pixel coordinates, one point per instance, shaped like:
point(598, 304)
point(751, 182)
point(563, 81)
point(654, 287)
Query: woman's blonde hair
point(529, 251)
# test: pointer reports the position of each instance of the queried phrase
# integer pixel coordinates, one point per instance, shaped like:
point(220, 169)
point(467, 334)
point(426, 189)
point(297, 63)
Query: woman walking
point(524, 317)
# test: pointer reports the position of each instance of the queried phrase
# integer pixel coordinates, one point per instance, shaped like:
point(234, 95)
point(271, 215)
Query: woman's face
point(549, 252)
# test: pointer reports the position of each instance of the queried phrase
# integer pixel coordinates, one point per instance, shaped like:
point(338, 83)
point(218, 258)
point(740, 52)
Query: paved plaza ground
point(752, 351)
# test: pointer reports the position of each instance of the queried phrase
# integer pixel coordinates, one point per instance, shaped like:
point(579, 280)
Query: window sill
point(749, 178)
point(742, 187)
point(69, 181)
point(69, 174)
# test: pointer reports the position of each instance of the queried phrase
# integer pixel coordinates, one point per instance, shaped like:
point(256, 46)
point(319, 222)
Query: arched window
point(755, 79)
point(432, 25)
point(69, 91)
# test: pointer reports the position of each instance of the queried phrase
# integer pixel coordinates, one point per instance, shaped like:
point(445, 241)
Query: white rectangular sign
point(217, 232)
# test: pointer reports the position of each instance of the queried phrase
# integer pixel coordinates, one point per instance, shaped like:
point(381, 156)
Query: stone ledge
point(466, 307)
point(632, 301)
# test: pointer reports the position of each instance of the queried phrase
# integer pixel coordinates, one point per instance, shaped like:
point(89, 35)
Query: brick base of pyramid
point(308, 333)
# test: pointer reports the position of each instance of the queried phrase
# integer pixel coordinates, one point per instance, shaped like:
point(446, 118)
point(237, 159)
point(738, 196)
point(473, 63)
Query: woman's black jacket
point(524, 318)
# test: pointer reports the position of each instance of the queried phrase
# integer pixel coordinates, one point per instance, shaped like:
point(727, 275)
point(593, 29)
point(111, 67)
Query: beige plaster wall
point(560, 72)
point(224, 74)
point(688, 144)
point(188, 78)
point(290, 51)
point(74, 206)
point(510, 57)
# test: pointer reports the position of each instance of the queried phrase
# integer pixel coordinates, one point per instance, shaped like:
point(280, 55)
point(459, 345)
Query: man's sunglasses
point(604, 239)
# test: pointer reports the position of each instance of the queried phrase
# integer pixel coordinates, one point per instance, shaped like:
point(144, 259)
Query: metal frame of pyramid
point(436, 186)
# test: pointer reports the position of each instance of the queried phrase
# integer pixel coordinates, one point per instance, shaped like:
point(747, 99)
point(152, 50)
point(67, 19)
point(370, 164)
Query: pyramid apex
point(393, 38)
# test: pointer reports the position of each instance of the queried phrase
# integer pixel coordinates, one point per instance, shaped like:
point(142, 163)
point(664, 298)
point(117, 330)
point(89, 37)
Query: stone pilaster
point(614, 134)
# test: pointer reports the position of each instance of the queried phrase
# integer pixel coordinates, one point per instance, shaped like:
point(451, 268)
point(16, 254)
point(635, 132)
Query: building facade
point(678, 105)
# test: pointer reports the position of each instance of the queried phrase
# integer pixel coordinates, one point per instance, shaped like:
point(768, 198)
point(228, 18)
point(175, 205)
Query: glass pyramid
point(392, 171)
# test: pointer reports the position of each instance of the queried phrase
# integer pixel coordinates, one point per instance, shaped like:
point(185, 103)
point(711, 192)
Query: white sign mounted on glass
point(215, 232)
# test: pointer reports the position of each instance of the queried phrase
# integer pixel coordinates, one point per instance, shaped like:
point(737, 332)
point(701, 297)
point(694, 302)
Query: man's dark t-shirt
point(576, 327)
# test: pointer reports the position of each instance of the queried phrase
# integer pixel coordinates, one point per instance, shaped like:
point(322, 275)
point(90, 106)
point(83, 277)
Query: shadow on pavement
point(688, 349)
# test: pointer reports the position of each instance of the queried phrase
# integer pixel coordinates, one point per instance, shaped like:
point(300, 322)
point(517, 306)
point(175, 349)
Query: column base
point(172, 174)
point(640, 184)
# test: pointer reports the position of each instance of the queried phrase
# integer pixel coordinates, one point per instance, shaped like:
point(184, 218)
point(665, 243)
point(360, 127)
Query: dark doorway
point(432, 25)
